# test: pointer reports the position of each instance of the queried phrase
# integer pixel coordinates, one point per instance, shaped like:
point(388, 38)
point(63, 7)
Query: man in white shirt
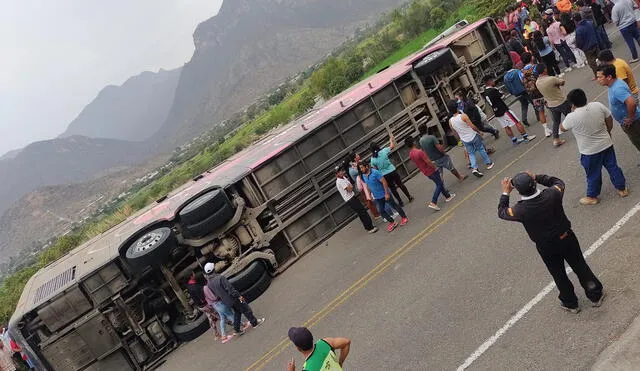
point(346, 191)
point(591, 124)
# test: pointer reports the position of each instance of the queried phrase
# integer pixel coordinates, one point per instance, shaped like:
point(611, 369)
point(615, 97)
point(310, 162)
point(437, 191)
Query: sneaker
point(392, 226)
point(547, 132)
point(477, 173)
point(517, 141)
point(568, 69)
point(526, 124)
point(531, 137)
point(497, 135)
point(575, 310)
point(238, 333)
point(404, 221)
point(260, 321)
point(558, 142)
point(598, 303)
point(372, 230)
point(589, 200)
point(633, 60)
point(433, 206)
point(623, 193)
point(561, 75)
point(226, 339)
point(451, 197)
point(411, 199)
point(490, 166)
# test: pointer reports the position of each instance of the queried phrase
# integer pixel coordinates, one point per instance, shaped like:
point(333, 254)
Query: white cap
point(209, 267)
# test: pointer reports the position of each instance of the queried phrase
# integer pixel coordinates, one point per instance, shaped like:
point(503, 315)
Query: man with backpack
point(513, 82)
point(529, 79)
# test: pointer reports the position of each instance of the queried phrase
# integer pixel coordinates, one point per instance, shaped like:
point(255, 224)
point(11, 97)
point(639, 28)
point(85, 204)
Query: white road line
point(513, 320)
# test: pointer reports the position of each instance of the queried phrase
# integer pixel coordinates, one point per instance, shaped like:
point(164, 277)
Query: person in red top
point(422, 161)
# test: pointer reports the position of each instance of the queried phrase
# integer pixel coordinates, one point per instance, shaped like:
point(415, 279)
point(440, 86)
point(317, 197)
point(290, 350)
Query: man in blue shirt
point(621, 103)
point(587, 41)
point(380, 191)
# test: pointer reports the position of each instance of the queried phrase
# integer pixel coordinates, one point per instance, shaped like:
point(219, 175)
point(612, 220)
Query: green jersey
point(323, 358)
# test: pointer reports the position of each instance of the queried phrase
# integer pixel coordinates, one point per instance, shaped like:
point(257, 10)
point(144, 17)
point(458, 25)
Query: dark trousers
point(382, 203)
point(567, 248)
point(239, 309)
point(525, 100)
point(592, 55)
point(394, 181)
point(359, 209)
point(633, 132)
point(593, 167)
point(631, 36)
point(603, 38)
point(440, 188)
point(556, 113)
point(566, 53)
point(484, 127)
point(552, 64)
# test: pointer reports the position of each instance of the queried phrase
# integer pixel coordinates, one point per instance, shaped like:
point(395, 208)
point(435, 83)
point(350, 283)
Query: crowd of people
point(569, 33)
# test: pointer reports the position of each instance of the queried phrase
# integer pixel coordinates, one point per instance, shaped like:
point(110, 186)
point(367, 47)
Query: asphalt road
point(429, 294)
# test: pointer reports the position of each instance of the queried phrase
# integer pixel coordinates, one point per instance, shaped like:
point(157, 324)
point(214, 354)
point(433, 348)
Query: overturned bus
point(119, 300)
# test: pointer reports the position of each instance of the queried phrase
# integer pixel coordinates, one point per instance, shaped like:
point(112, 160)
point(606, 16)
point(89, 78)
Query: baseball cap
point(209, 267)
point(301, 337)
point(524, 183)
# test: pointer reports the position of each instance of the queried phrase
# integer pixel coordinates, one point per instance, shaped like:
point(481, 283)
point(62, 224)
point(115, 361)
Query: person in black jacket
point(224, 290)
point(470, 109)
point(195, 288)
point(543, 217)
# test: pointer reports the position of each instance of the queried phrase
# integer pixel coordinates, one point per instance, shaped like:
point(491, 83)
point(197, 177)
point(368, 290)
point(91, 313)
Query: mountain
point(249, 47)
point(133, 111)
point(11, 154)
point(62, 161)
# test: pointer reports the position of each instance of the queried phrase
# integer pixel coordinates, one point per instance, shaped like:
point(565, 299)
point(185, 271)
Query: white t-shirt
point(465, 132)
point(342, 184)
point(588, 126)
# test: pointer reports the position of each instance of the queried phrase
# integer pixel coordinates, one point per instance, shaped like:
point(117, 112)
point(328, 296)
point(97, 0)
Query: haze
point(57, 55)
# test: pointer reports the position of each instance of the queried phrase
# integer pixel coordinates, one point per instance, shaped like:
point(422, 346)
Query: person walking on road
point(380, 160)
point(542, 214)
point(430, 171)
point(223, 289)
point(504, 115)
point(470, 136)
point(436, 153)
point(550, 88)
point(591, 124)
point(622, 103)
point(587, 41)
point(380, 191)
point(354, 173)
point(319, 356)
point(623, 71)
point(346, 191)
point(623, 16)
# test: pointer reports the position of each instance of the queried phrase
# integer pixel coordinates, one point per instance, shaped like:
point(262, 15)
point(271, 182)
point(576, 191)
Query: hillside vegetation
point(404, 31)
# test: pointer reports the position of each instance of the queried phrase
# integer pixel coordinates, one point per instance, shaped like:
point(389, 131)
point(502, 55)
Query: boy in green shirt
point(320, 356)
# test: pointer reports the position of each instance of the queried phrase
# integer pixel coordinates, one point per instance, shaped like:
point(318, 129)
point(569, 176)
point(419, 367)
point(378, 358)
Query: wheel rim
point(148, 241)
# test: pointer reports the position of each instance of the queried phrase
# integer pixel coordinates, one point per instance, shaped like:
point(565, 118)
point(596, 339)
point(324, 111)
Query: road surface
point(458, 285)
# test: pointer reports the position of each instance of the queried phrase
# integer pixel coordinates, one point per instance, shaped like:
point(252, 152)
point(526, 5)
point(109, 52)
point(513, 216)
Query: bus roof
point(94, 254)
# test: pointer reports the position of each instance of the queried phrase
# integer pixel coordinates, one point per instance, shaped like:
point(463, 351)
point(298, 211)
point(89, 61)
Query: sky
point(58, 55)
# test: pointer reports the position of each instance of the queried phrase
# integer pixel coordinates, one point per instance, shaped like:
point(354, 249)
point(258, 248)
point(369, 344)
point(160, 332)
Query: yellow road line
point(381, 267)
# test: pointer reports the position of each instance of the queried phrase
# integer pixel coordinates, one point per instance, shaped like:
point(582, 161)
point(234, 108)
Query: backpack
point(529, 80)
point(513, 83)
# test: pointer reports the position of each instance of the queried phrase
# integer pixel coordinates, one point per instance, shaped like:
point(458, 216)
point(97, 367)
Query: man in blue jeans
point(428, 168)
point(470, 136)
point(624, 17)
point(591, 124)
point(380, 191)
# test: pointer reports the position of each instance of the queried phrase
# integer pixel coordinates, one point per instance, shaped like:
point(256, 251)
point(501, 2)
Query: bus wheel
point(151, 249)
point(187, 330)
point(258, 288)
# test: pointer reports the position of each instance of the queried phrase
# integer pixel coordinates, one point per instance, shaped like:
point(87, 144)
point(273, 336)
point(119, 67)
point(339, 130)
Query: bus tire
point(211, 223)
point(151, 249)
point(258, 288)
point(190, 330)
point(249, 276)
point(200, 209)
